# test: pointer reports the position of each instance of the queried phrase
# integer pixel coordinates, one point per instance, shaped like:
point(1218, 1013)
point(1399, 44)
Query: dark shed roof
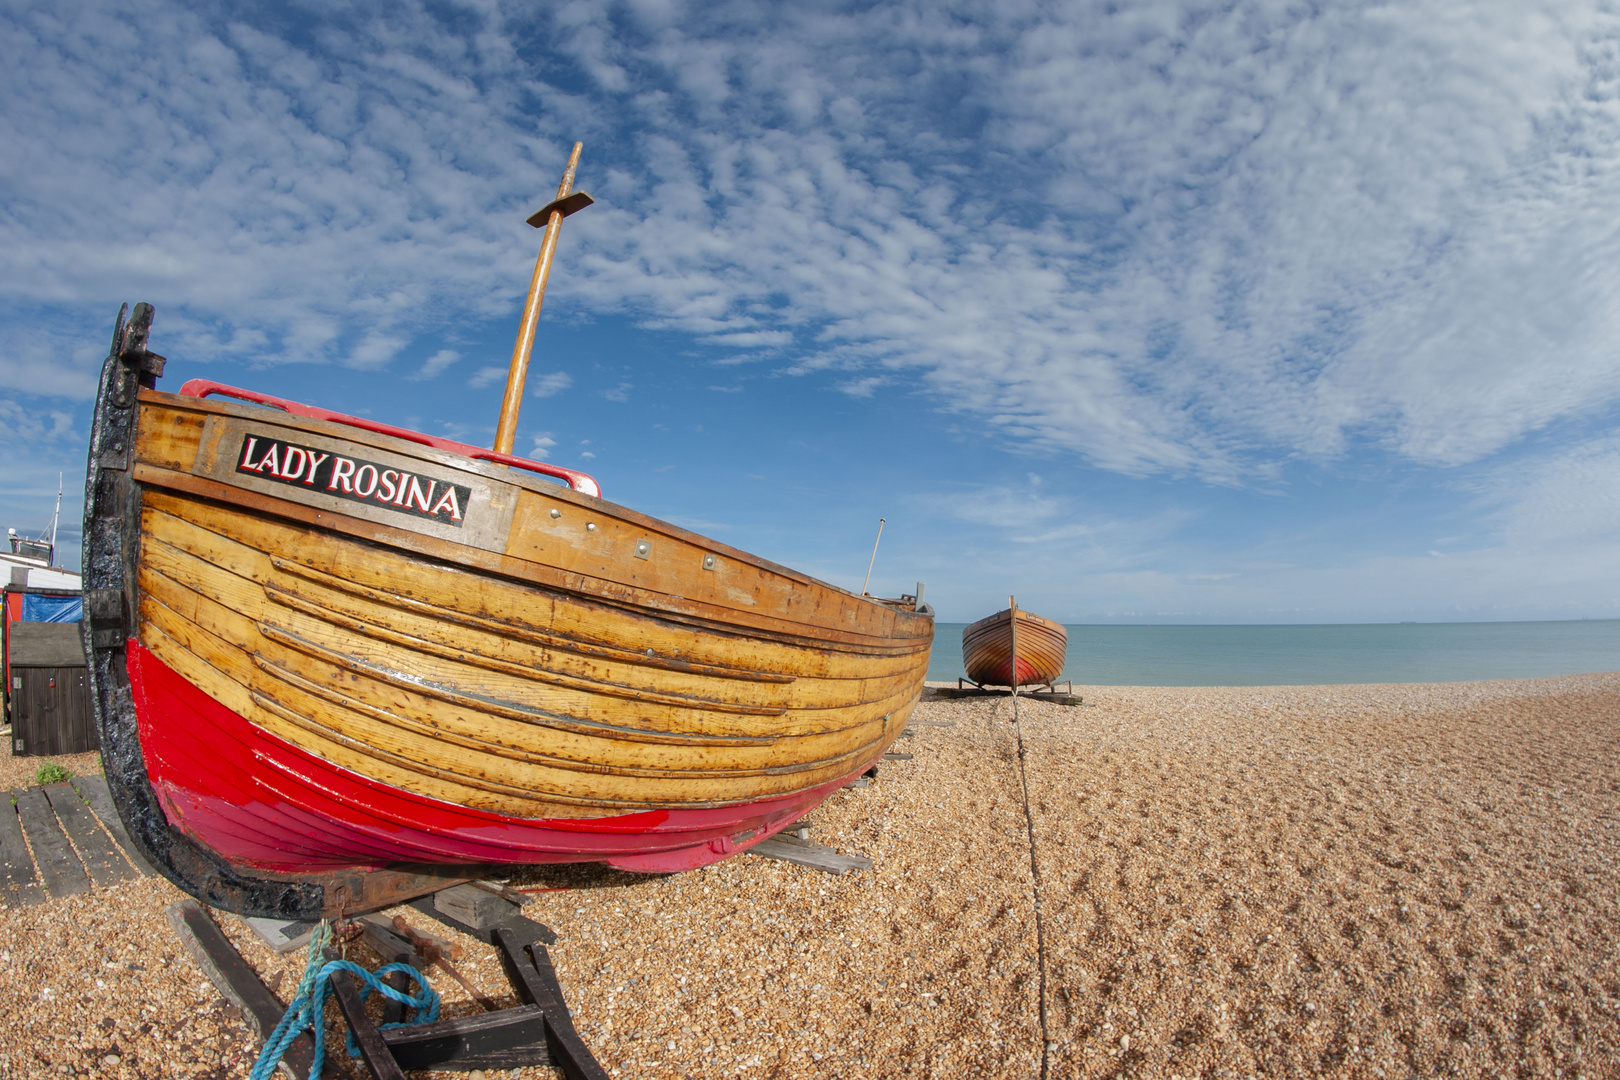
point(43, 644)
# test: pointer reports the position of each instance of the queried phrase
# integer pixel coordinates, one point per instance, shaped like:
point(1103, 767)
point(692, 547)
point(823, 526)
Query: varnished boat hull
point(987, 650)
point(336, 664)
point(305, 815)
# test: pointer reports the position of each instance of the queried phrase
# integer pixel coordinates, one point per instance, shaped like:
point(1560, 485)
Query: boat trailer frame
point(1050, 693)
point(539, 1031)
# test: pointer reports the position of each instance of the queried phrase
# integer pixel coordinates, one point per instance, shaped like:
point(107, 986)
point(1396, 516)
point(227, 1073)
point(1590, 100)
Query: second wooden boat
point(988, 649)
point(337, 663)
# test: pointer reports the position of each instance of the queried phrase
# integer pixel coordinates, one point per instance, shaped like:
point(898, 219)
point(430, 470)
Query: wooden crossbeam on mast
point(550, 218)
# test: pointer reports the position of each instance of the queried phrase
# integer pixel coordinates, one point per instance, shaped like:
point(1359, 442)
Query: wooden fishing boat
point(990, 645)
point(337, 663)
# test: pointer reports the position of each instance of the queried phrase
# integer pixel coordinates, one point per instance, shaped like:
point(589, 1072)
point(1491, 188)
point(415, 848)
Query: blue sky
point(1166, 312)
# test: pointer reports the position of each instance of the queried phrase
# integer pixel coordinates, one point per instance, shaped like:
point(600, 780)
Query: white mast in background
point(55, 516)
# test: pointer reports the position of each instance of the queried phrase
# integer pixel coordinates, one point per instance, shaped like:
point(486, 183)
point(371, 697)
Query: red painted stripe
point(259, 801)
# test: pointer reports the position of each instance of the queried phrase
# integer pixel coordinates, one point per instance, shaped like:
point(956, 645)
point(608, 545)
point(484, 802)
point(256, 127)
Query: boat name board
point(354, 479)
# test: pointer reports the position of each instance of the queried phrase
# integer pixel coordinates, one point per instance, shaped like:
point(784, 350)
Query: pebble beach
point(1360, 881)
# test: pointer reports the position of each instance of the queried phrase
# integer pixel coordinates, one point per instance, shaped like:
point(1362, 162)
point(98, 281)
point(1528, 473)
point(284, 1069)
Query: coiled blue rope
point(308, 1008)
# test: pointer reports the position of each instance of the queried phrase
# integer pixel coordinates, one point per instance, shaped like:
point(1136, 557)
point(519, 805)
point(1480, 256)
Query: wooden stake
point(506, 427)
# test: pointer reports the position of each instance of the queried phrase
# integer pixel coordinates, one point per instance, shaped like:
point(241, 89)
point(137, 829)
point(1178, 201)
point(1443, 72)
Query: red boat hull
point(256, 800)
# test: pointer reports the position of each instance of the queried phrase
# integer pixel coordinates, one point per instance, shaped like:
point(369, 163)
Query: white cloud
point(437, 363)
point(23, 427)
point(863, 387)
point(1568, 495)
point(1162, 237)
point(484, 376)
point(554, 383)
point(1000, 507)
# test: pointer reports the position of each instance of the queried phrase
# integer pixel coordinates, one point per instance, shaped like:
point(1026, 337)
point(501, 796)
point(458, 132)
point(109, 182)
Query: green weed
point(52, 773)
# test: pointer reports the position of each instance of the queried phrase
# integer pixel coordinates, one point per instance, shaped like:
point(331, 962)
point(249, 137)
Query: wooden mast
point(550, 218)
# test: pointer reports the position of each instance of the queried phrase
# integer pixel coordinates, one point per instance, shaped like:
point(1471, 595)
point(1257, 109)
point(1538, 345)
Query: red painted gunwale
point(257, 800)
point(576, 480)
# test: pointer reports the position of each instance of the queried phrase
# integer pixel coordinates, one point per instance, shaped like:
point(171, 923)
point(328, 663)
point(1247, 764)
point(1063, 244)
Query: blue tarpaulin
point(39, 608)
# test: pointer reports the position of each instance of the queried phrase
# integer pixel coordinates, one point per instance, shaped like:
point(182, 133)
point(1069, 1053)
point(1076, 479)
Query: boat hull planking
point(987, 650)
point(335, 664)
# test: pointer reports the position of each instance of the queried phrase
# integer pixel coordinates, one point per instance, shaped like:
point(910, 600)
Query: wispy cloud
point(552, 384)
point(863, 387)
point(22, 428)
point(1168, 239)
point(1570, 494)
point(436, 364)
point(1162, 238)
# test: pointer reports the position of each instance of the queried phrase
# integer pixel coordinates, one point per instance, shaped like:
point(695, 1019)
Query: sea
point(1293, 655)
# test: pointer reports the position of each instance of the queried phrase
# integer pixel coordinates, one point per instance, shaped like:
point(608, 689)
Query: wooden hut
point(50, 699)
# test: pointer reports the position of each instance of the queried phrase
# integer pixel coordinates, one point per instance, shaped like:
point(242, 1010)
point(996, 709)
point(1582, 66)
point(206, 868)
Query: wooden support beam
point(281, 935)
point(379, 934)
point(394, 1011)
point(509, 1039)
point(1052, 697)
point(101, 857)
point(521, 899)
point(528, 968)
point(58, 865)
point(238, 983)
point(378, 1058)
point(525, 928)
point(803, 853)
point(94, 790)
point(475, 907)
point(19, 885)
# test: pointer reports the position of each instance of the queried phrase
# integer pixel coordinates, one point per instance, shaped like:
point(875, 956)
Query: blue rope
point(308, 1009)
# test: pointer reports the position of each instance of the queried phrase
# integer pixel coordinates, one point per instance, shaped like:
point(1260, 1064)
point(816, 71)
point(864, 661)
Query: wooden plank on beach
point(238, 983)
point(894, 756)
point(379, 1059)
point(379, 934)
point(509, 1039)
point(101, 857)
point(472, 906)
point(528, 968)
point(525, 928)
point(1051, 696)
point(803, 853)
point(19, 885)
point(94, 790)
point(58, 865)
